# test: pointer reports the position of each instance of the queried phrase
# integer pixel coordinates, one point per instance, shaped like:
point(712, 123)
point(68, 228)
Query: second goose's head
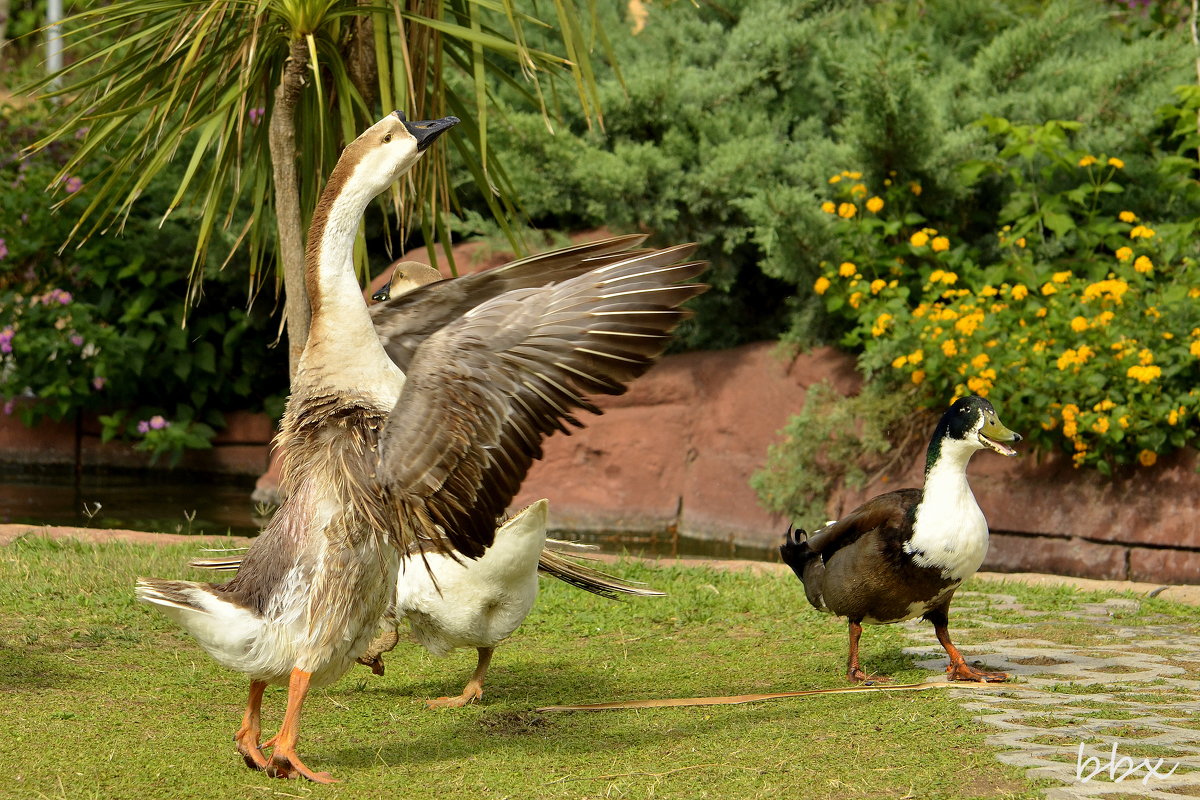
point(970, 424)
point(390, 148)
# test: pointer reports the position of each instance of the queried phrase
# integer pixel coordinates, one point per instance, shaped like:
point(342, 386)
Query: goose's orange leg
point(474, 688)
point(247, 735)
point(285, 763)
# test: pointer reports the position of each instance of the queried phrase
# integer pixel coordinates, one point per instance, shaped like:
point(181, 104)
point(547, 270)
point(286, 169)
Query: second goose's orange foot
point(290, 766)
point(251, 751)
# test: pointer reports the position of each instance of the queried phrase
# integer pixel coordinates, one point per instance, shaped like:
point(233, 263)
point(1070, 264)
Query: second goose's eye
point(387, 138)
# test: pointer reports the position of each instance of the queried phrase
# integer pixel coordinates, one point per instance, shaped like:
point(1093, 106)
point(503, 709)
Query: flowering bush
point(97, 328)
point(1082, 318)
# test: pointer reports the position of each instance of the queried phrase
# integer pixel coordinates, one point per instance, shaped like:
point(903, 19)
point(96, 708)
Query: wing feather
point(483, 392)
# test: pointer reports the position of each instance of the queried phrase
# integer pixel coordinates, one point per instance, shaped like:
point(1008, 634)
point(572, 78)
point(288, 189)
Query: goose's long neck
point(342, 350)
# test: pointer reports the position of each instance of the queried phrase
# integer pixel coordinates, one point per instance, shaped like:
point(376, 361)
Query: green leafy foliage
point(727, 120)
point(98, 328)
point(1082, 315)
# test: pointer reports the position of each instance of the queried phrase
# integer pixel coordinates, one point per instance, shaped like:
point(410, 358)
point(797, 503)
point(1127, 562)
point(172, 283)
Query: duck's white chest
point(949, 530)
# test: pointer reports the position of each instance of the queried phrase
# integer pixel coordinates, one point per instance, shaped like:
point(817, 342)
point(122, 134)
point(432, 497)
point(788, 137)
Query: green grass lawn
point(104, 698)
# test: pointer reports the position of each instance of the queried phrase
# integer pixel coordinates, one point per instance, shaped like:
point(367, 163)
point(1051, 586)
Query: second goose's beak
point(426, 132)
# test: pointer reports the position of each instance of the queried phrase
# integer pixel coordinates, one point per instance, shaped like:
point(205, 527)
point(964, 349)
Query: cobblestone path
point(1092, 675)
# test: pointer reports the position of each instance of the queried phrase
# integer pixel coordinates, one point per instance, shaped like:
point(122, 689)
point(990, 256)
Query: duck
point(903, 554)
point(452, 603)
point(379, 459)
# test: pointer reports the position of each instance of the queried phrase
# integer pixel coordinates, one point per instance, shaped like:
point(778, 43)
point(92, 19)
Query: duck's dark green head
point(972, 423)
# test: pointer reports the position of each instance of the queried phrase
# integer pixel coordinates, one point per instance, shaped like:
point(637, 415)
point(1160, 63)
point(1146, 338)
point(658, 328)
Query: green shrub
point(99, 328)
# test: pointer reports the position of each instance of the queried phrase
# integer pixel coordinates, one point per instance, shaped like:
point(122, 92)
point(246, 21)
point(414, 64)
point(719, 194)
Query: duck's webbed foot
point(856, 675)
point(963, 671)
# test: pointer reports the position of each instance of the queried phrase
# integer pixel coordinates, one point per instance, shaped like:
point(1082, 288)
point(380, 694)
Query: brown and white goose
point(379, 460)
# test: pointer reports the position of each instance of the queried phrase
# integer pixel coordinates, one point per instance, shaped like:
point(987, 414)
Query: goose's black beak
point(428, 131)
point(383, 294)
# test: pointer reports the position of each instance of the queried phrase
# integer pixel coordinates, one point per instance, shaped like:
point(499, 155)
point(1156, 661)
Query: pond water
point(174, 502)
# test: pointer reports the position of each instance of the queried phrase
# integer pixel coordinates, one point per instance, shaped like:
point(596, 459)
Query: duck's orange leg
point(854, 671)
point(247, 735)
point(285, 763)
point(474, 688)
point(958, 669)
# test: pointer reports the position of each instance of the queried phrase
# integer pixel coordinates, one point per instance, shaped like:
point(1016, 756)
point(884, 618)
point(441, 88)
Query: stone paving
point(1135, 684)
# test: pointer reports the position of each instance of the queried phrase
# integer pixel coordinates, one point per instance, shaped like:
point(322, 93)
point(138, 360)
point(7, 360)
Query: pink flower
point(143, 426)
point(81, 132)
point(3, 248)
point(257, 114)
point(98, 382)
point(76, 340)
point(74, 184)
point(9, 405)
point(158, 423)
point(6, 337)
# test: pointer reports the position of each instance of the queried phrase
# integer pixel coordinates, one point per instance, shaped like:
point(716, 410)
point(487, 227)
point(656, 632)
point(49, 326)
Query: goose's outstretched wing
point(404, 322)
point(483, 392)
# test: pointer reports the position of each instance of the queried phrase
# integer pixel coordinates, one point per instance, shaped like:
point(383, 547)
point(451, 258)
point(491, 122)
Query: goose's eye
point(387, 138)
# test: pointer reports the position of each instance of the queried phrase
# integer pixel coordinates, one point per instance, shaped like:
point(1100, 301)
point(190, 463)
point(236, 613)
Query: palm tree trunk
point(287, 200)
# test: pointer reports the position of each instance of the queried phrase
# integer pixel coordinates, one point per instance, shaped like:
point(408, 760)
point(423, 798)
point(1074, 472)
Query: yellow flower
point(855, 300)
point(1104, 405)
point(829, 207)
point(1143, 373)
point(940, 243)
point(1079, 324)
point(1100, 425)
point(847, 268)
point(980, 361)
point(919, 239)
point(1105, 317)
point(915, 188)
point(949, 348)
point(1127, 216)
point(1020, 292)
point(853, 175)
point(1123, 421)
point(858, 189)
point(878, 285)
point(1021, 242)
point(847, 210)
point(978, 386)
point(899, 361)
point(1194, 348)
point(1147, 458)
point(1041, 312)
point(916, 356)
point(1109, 289)
point(988, 291)
point(1048, 288)
point(948, 277)
point(1143, 264)
point(1124, 253)
point(822, 285)
point(1116, 162)
point(1087, 161)
point(881, 324)
point(1062, 277)
point(875, 204)
point(918, 376)
point(835, 179)
point(1141, 232)
point(1145, 357)
point(1173, 417)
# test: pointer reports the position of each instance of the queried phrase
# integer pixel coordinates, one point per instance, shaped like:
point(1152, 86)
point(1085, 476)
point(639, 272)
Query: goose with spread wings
point(380, 460)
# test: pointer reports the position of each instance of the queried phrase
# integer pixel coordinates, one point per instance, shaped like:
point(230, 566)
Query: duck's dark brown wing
point(883, 512)
point(404, 322)
point(483, 392)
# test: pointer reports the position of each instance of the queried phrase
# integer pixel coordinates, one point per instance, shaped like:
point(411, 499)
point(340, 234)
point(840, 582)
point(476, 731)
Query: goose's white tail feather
point(232, 635)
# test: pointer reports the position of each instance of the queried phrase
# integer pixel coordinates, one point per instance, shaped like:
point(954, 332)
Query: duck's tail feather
point(226, 564)
point(806, 563)
point(589, 579)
